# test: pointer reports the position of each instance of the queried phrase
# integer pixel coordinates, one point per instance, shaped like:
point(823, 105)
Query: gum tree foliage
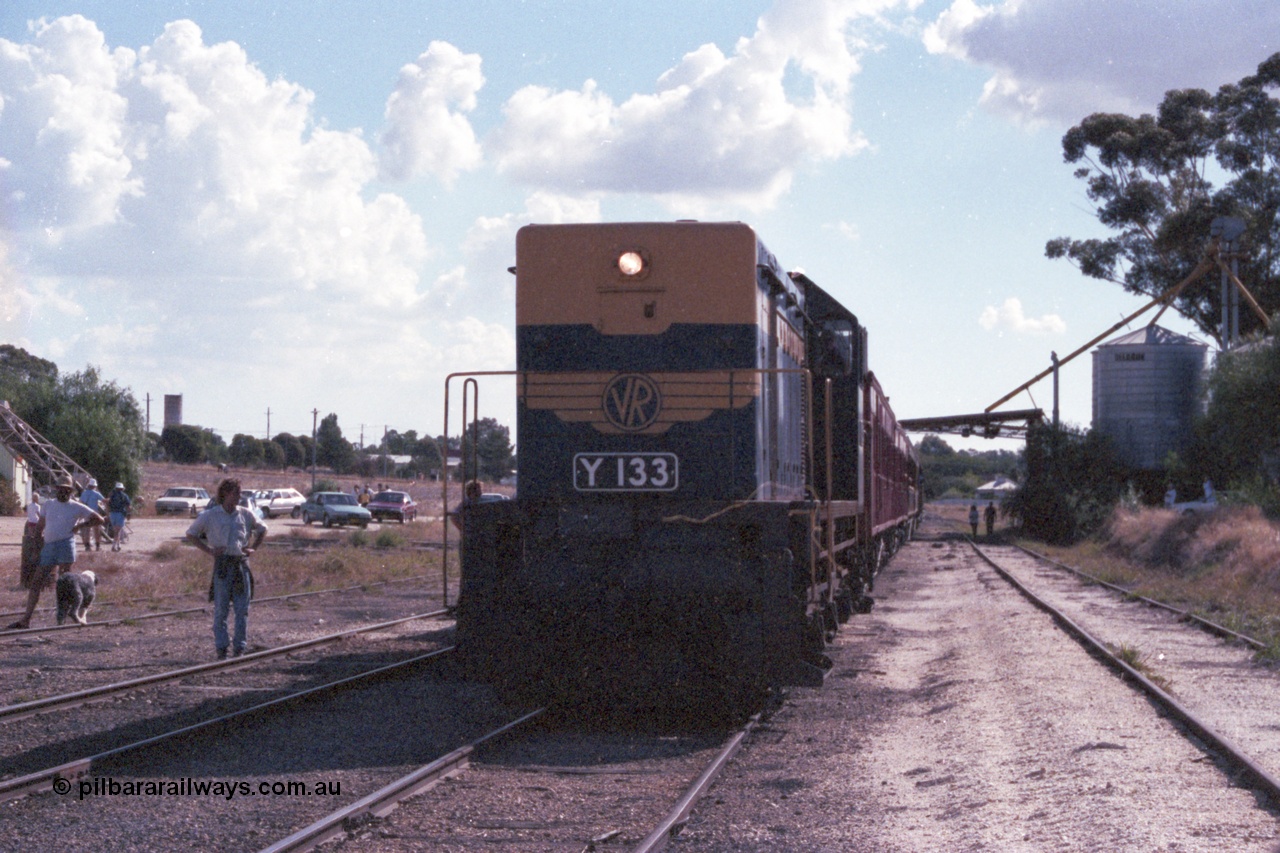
point(246, 451)
point(295, 454)
point(190, 444)
point(946, 470)
point(95, 422)
point(1074, 480)
point(332, 450)
point(1239, 435)
point(494, 453)
point(272, 455)
point(1159, 181)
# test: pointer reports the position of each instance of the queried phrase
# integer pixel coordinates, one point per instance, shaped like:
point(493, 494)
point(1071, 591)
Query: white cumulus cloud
point(1011, 317)
point(1060, 60)
point(732, 128)
point(427, 131)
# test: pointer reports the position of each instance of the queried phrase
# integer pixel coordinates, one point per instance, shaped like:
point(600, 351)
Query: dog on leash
point(75, 593)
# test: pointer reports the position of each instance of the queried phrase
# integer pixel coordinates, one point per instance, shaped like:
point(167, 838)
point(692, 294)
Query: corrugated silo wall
point(1145, 397)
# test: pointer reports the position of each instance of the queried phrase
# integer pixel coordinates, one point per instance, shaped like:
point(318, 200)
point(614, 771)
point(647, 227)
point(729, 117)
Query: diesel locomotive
point(710, 476)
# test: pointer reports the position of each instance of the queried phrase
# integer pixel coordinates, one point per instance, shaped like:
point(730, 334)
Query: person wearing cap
point(59, 520)
point(118, 509)
point(229, 533)
point(93, 499)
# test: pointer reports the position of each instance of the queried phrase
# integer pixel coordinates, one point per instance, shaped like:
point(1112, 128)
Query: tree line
point(100, 425)
point(494, 457)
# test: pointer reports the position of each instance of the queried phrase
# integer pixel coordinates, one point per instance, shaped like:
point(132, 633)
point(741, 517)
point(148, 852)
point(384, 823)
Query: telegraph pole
point(315, 413)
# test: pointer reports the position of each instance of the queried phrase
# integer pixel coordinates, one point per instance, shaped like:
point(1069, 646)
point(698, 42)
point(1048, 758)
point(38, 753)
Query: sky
point(276, 209)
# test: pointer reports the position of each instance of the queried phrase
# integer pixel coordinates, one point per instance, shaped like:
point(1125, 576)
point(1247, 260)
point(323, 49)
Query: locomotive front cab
point(653, 548)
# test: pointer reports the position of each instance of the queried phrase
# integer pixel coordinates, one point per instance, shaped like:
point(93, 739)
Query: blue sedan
point(330, 508)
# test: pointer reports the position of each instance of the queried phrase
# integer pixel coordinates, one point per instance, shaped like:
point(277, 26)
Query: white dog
point(75, 593)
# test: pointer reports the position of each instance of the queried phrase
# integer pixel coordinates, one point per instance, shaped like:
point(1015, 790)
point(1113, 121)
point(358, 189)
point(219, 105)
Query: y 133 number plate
point(626, 472)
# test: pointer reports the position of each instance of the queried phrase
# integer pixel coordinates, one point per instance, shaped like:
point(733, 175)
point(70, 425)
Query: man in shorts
point(59, 521)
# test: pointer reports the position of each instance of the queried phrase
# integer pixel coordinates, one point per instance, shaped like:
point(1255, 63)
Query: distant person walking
point(973, 519)
point(93, 499)
point(229, 533)
point(990, 515)
point(118, 504)
point(59, 521)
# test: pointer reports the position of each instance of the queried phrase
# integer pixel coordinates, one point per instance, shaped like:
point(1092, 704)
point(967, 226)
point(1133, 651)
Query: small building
point(17, 472)
point(996, 490)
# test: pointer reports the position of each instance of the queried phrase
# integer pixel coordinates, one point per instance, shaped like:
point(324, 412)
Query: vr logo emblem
point(631, 402)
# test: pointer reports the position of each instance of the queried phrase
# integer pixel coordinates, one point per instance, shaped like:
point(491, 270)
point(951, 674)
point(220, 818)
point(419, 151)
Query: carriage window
point(835, 348)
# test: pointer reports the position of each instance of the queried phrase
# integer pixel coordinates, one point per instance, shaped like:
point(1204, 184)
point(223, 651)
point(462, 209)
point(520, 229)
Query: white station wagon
point(276, 502)
point(182, 500)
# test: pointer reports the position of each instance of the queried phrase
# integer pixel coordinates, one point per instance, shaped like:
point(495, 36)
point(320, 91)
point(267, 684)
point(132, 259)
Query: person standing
point(973, 519)
point(118, 505)
point(229, 533)
point(93, 499)
point(990, 515)
point(32, 542)
point(59, 520)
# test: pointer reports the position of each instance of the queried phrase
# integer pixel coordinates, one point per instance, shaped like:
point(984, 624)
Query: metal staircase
point(45, 461)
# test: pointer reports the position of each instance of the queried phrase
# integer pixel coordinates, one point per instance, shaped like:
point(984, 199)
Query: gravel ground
point(958, 717)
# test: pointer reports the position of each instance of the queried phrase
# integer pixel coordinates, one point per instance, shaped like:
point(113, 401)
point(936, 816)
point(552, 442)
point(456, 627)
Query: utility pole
point(268, 423)
point(148, 411)
point(1054, 356)
point(315, 413)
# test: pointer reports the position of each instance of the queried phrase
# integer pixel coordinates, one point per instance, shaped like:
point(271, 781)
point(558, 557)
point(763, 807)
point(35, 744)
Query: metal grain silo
point(1146, 393)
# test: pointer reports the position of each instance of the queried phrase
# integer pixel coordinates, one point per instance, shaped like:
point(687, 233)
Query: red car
point(397, 505)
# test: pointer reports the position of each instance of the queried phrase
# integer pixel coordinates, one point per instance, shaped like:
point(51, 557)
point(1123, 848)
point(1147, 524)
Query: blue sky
point(297, 206)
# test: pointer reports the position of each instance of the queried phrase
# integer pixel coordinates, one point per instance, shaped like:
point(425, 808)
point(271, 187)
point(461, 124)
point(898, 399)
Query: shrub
point(388, 539)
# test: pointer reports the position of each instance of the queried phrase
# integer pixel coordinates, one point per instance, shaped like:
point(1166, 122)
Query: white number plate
point(626, 472)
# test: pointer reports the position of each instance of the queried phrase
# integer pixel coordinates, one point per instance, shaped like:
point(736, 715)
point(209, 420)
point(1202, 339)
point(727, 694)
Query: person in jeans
point(229, 533)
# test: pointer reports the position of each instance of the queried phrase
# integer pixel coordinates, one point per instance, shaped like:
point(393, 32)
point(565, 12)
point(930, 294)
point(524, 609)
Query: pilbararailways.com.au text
point(188, 787)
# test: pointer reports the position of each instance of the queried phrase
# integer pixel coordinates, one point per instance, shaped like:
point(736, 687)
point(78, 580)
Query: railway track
point(64, 776)
point(1185, 677)
point(640, 807)
point(63, 702)
point(152, 614)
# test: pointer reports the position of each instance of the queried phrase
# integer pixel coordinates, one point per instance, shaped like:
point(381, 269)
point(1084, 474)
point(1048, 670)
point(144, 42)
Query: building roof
point(1152, 334)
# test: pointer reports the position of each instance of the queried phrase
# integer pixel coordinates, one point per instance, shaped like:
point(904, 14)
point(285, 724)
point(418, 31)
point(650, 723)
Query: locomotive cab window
point(834, 354)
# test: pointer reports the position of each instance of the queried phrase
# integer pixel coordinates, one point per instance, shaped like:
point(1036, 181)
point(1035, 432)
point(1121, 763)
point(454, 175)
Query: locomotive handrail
point(470, 377)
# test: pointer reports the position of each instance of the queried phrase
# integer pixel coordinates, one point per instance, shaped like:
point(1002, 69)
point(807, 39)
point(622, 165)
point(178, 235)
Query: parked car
point(393, 505)
point(182, 500)
point(276, 502)
point(246, 500)
point(330, 508)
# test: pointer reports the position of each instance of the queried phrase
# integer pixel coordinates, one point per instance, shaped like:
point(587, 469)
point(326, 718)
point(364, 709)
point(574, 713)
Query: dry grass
point(1223, 565)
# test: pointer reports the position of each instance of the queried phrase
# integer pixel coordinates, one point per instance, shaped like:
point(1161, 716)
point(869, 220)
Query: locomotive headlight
point(631, 263)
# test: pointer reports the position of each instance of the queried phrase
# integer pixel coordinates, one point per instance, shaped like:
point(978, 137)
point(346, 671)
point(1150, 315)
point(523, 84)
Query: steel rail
point(22, 632)
point(1266, 782)
point(679, 815)
point(44, 780)
point(1211, 626)
point(384, 800)
point(22, 710)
